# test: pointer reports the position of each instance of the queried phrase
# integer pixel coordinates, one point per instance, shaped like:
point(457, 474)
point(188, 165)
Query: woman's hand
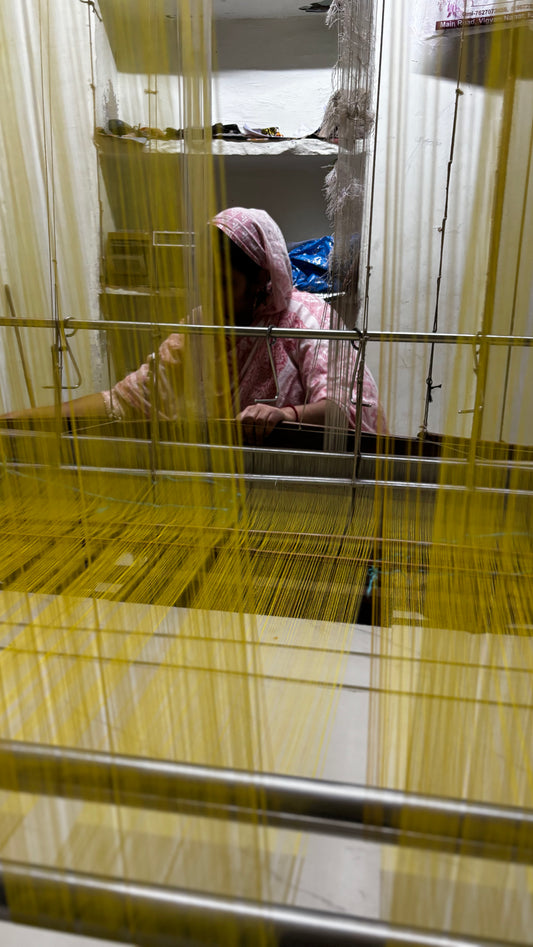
point(259, 420)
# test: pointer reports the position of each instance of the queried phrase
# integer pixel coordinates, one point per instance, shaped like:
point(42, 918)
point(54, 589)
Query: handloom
point(190, 703)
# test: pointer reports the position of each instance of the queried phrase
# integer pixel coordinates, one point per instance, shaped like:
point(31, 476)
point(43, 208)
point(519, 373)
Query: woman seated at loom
point(261, 294)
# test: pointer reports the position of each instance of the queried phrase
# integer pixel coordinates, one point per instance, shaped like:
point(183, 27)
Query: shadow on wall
point(440, 55)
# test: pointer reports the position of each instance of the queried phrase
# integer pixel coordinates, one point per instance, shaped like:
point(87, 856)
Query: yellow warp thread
point(201, 619)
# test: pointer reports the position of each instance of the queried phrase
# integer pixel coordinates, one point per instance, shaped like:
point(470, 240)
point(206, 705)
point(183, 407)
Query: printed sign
point(442, 15)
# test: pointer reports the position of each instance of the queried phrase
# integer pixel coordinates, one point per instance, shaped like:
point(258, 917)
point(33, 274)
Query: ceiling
point(222, 9)
point(263, 9)
point(126, 22)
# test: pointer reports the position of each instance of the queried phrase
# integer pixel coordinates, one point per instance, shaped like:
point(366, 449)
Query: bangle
point(292, 407)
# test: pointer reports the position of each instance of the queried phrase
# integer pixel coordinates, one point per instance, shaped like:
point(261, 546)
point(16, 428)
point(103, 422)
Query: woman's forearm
point(89, 406)
point(314, 413)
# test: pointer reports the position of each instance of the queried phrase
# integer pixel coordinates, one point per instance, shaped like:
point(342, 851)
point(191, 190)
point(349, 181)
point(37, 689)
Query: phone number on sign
point(485, 18)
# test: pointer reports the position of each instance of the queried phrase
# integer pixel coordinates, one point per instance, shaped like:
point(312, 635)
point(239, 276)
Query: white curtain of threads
point(349, 118)
point(413, 140)
point(48, 189)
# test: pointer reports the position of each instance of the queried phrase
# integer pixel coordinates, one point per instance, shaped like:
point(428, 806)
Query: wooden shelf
point(294, 148)
point(143, 291)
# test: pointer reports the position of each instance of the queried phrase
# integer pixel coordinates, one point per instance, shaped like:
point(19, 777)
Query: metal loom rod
point(289, 479)
point(86, 436)
point(347, 335)
point(158, 916)
point(388, 816)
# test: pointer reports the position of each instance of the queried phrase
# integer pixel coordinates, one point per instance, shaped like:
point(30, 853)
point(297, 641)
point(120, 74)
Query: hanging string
point(430, 387)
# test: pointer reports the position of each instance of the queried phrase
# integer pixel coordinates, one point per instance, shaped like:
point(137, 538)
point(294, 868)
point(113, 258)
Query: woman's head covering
point(260, 238)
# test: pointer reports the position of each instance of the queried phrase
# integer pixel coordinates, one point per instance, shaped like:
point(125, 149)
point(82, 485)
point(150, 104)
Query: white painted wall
point(508, 394)
point(47, 188)
point(289, 87)
point(284, 79)
point(293, 100)
point(413, 149)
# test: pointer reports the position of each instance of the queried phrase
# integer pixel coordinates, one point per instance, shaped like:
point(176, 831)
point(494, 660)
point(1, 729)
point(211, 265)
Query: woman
point(261, 294)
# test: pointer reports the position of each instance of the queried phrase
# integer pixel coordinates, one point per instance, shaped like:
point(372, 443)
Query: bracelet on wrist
point(293, 408)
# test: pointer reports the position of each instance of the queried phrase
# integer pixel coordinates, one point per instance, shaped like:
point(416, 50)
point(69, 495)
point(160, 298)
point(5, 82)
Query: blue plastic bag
point(309, 262)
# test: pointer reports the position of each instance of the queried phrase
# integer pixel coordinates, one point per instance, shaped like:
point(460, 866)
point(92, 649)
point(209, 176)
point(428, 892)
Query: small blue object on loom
point(309, 261)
